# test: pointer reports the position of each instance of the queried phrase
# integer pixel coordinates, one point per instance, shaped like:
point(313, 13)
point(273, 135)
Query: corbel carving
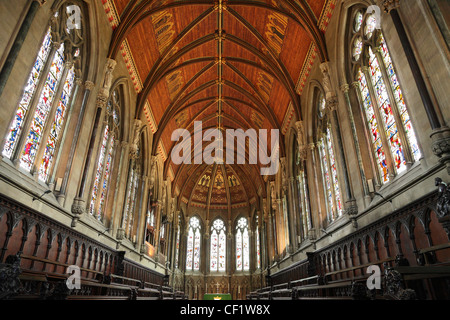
point(389, 5)
point(134, 146)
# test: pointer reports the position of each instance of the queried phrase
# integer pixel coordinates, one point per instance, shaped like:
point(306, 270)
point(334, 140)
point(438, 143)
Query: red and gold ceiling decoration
point(234, 64)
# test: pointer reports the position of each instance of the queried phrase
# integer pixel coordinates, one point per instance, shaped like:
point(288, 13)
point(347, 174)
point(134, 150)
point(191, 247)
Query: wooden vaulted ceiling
point(232, 64)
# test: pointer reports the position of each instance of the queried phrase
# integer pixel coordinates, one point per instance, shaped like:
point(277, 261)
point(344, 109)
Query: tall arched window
point(242, 245)
point(130, 210)
point(257, 243)
point(330, 173)
point(193, 245)
point(106, 155)
point(177, 241)
point(150, 223)
point(37, 127)
point(218, 246)
point(393, 140)
point(299, 169)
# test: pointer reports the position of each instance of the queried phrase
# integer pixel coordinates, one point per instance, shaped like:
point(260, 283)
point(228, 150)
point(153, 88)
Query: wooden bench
point(281, 292)
point(264, 293)
point(427, 253)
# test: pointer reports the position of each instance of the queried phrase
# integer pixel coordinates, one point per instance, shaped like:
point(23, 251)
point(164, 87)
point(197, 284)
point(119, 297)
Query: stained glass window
point(371, 24)
point(218, 246)
point(357, 48)
point(387, 118)
point(57, 126)
point(327, 179)
point(104, 161)
point(358, 21)
point(130, 203)
point(258, 245)
point(375, 136)
point(398, 95)
point(177, 244)
point(242, 246)
point(29, 91)
point(304, 203)
point(38, 124)
point(193, 245)
point(330, 176)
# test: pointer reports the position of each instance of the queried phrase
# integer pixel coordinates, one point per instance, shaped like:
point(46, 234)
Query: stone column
point(89, 86)
point(18, 42)
point(345, 89)
point(78, 206)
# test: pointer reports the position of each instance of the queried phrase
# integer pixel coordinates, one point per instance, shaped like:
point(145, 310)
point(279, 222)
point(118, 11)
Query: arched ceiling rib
point(230, 64)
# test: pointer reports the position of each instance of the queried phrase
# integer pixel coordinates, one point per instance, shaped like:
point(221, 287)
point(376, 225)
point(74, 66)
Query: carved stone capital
point(89, 85)
point(107, 80)
point(345, 88)
point(389, 5)
point(441, 145)
point(78, 209)
point(120, 234)
point(332, 103)
point(78, 206)
point(41, 2)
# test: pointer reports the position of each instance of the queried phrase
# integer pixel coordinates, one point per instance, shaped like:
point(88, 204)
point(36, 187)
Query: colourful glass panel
point(55, 132)
point(373, 126)
point(197, 250)
point(214, 250)
point(42, 110)
point(222, 248)
point(239, 250)
point(386, 113)
point(99, 171)
point(29, 90)
point(106, 176)
point(218, 246)
point(305, 204)
point(358, 21)
point(190, 250)
point(371, 24)
point(357, 48)
point(258, 251)
point(177, 247)
point(246, 250)
point(327, 179)
point(398, 95)
point(334, 175)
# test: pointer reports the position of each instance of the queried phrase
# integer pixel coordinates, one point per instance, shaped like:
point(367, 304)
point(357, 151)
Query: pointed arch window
point(392, 136)
point(299, 168)
point(131, 210)
point(193, 245)
point(37, 127)
point(257, 243)
point(242, 245)
point(105, 157)
point(150, 223)
point(218, 246)
point(177, 243)
point(330, 173)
